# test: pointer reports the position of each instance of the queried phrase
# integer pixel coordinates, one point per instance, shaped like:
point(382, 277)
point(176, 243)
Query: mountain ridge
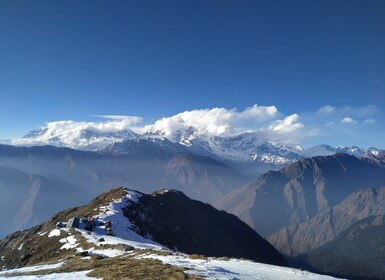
point(244, 147)
point(298, 192)
point(140, 216)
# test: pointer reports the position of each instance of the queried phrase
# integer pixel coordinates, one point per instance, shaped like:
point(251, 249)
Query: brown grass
point(123, 267)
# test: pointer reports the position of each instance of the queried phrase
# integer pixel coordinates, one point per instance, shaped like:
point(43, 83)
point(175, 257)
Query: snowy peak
point(326, 150)
point(183, 136)
point(244, 148)
point(248, 147)
point(90, 139)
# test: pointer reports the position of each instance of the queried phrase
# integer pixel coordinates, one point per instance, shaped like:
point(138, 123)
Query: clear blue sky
point(73, 59)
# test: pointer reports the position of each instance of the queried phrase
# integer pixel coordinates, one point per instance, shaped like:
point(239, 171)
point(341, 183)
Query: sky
point(319, 64)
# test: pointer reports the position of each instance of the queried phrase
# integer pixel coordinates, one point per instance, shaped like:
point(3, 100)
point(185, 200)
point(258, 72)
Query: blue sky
point(71, 60)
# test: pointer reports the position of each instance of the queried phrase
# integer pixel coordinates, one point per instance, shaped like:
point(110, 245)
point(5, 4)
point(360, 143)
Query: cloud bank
point(267, 122)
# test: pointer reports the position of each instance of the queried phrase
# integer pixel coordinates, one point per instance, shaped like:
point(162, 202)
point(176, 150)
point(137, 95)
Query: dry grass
point(197, 257)
point(123, 267)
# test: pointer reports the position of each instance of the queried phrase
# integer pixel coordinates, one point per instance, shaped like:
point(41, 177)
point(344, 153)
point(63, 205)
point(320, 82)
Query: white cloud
point(288, 125)
point(289, 130)
point(369, 121)
point(131, 119)
point(66, 133)
point(326, 109)
point(263, 120)
point(216, 121)
point(348, 120)
point(266, 122)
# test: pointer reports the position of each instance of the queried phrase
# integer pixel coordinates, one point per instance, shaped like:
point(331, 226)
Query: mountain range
point(301, 191)
point(245, 147)
point(299, 199)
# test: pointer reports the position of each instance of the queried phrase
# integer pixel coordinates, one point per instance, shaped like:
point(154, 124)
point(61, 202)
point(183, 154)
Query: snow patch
point(107, 252)
point(236, 269)
point(130, 238)
point(20, 247)
point(54, 232)
point(32, 268)
point(70, 242)
point(78, 275)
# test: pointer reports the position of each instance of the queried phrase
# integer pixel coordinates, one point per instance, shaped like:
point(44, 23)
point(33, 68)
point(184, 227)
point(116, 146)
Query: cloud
point(68, 132)
point(266, 122)
point(369, 121)
point(128, 119)
point(348, 120)
point(326, 109)
point(216, 121)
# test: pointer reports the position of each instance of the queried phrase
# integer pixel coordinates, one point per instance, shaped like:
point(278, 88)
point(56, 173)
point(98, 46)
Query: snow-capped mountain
point(81, 139)
point(244, 148)
point(326, 150)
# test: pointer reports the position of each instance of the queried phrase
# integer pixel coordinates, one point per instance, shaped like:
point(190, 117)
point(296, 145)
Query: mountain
point(326, 150)
point(301, 191)
point(174, 220)
point(74, 137)
point(25, 198)
point(254, 154)
point(300, 238)
point(146, 224)
point(357, 253)
point(83, 174)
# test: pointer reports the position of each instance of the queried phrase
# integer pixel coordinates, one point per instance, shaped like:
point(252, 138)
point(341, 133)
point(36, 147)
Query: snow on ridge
point(31, 268)
point(122, 227)
point(54, 232)
point(213, 268)
point(79, 275)
point(132, 195)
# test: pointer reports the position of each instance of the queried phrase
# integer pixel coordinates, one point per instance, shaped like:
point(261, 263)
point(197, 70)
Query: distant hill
point(356, 253)
point(27, 199)
point(77, 176)
point(300, 238)
point(301, 191)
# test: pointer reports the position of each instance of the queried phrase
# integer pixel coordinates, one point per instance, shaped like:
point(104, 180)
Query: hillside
point(357, 253)
point(25, 198)
point(300, 238)
point(301, 191)
point(168, 217)
point(78, 176)
point(50, 252)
